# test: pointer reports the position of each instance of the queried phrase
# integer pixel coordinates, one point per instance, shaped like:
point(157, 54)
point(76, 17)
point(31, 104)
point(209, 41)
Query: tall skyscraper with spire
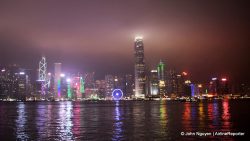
point(42, 75)
point(140, 78)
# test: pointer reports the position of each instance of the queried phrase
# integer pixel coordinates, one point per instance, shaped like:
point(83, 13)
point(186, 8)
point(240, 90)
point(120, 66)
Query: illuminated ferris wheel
point(117, 94)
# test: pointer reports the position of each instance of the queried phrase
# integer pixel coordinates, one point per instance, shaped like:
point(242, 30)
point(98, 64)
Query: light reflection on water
point(65, 114)
point(186, 119)
point(117, 133)
point(117, 120)
point(226, 114)
point(163, 118)
point(41, 119)
point(21, 122)
point(76, 121)
point(201, 116)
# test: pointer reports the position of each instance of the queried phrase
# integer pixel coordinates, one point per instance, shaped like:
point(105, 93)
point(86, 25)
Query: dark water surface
point(123, 120)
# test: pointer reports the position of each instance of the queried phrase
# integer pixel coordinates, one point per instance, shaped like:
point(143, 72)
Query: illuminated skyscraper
point(100, 85)
point(42, 69)
point(162, 78)
point(22, 84)
point(161, 70)
point(223, 88)
point(42, 75)
point(213, 86)
point(129, 84)
point(179, 85)
point(109, 80)
point(171, 82)
point(154, 83)
point(89, 84)
point(140, 78)
point(57, 80)
point(78, 87)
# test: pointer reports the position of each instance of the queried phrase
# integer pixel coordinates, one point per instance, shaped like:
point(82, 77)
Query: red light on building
point(184, 73)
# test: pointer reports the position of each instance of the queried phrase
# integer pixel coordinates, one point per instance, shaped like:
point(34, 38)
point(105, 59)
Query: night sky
point(204, 38)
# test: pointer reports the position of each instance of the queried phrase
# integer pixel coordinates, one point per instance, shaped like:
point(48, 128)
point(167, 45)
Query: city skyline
point(124, 70)
point(188, 36)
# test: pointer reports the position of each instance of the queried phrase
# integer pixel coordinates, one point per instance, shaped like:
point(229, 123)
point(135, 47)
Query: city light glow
point(138, 38)
point(68, 80)
point(161, 83)
point(22, 73)
point(214, 78)
point(223, 79)
point(153, 70)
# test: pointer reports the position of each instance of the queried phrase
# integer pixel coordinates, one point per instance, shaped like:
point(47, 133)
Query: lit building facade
point(109, 81)
point(42, 75)
point(129, 85)
point(140, 78)
point(219, 87)
point(57, 79)
point(213, 86)
point(78, 87)
point(119, 82)
point(154, 83)
point(224, 88)
point(89, 84)
point(100, 85)
point(14, 83)
point(171, 82)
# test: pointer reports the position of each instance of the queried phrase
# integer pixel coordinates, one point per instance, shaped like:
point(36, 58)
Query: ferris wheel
point(117, 94)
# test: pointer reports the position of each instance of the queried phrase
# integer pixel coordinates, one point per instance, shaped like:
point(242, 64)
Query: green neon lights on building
point(69, 91)
point(59, 87)
point(82, 85)
point(158, 68)
point(161, 67)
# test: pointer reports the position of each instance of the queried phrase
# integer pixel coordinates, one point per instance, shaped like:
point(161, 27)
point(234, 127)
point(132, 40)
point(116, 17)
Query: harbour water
point(125, 120)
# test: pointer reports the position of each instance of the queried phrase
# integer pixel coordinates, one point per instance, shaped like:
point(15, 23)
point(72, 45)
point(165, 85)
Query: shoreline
point(96, 100)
